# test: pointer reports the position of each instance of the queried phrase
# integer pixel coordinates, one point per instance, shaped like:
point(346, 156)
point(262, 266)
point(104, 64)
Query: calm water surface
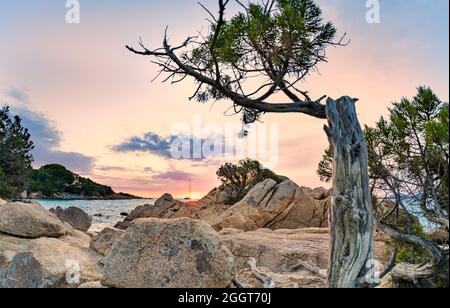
point(105, 213)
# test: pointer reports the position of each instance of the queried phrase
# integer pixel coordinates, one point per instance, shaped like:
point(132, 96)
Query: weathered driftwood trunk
point(351, 216)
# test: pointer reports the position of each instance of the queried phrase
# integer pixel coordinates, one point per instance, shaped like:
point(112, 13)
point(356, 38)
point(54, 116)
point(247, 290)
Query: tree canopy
point(15, 155)
point(52, 181)
point(276, 42)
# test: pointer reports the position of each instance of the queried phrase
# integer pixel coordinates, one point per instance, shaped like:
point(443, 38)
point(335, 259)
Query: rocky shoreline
point(69, 197)
point(279, 230)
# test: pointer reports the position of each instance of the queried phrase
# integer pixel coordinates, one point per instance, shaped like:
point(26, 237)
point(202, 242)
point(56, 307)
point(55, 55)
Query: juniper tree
point(408, 167)
point(276, 44)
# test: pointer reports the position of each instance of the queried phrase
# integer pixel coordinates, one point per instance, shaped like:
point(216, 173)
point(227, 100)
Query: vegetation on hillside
point(55, 180)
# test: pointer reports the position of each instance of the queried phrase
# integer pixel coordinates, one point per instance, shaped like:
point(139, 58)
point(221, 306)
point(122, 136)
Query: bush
point(243, 176)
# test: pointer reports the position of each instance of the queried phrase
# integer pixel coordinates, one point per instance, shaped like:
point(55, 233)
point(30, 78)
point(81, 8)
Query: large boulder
point(76, 217)
point(2, 201)
point(64, 262)
point(254, 211)
point(165, 207)
point(276, 206)
point(30, 221)
point(20, 271)
point(176, 253)
point(103, 241)
point(308, 210)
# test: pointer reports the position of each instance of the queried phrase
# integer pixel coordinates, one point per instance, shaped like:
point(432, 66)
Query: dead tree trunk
point(351, 216)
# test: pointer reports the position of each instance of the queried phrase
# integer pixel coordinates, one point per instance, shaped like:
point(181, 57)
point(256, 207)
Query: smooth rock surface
point(30, 221)
point(76, 217)
point(282, 206)
point(276, 252)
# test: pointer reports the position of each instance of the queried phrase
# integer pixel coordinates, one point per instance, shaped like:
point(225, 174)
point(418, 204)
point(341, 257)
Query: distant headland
point(55, 182)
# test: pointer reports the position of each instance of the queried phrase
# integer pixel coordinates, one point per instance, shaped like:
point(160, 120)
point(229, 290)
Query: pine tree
point(15, 155)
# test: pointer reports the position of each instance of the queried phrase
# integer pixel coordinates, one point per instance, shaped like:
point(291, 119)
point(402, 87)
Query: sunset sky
point(91, 106)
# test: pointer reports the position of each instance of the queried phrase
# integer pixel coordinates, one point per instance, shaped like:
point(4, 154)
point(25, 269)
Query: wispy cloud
point(149, 142)
point(163, 146)
point(176, 176)
point(18, 95)
point(47, 140)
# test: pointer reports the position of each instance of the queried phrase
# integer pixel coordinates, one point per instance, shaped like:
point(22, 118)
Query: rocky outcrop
point(165, 207)
point(176, 253)
point(30, 220)
point(220, 195)
point(64, 262)
point(2, 201)
point(268, 205)
point(76, 217)
point(309, 210)
point(277, 253)
point(103, 241)
point(37, 250)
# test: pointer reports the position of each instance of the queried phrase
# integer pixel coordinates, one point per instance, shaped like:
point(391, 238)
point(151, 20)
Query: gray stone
point(103, 241)
point(76, 217)
point(176, 253)
point(30, 221)
point(23, 272)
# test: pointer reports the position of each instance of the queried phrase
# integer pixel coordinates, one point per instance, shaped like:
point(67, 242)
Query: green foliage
point(325, 168)
point(412, 145)
point(6, 190)
point(416, 140)
point(15, 155)
point(288, 40)
point(243, 176)
point(408, 155)
point(54, 180)
point(405, 252)
point(290, 32)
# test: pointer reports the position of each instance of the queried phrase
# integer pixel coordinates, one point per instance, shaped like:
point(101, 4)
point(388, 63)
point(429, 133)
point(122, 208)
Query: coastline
point(69, 197)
